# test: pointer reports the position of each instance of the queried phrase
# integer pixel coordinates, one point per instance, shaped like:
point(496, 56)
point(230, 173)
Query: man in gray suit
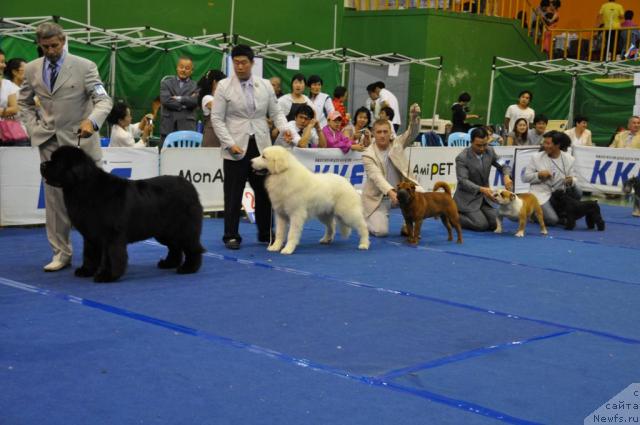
point(73, 106)
point(241, 105)
point(473, 166)
point(179, 99)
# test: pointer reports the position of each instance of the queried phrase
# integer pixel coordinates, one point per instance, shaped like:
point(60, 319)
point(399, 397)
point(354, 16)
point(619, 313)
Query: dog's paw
point(364, 245)
point(544, 232)
point(326, 241)
point(287, 250)
point(413, 241)
point(167, 264)
point(520, 234)
point(636, 213)
point(497, 231)
point(274, 247)
point(84, 272)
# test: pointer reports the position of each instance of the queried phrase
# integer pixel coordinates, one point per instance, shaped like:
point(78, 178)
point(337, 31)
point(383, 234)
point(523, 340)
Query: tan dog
point(416, 206)
point(518, 207)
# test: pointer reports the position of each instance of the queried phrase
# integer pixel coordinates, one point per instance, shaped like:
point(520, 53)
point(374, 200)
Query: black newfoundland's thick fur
point(633, 185)
point(569, 209)
point(111, 212)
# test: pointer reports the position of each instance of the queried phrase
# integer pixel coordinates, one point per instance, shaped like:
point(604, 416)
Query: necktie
point(247, 88)
point(53, 74)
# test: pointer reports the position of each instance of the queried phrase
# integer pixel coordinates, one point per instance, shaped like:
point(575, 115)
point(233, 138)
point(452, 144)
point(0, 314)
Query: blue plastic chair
point(430, 138)
point(459, 139)
point(183, 139)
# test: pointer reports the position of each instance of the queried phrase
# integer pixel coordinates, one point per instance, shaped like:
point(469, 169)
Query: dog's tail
point(442, 185)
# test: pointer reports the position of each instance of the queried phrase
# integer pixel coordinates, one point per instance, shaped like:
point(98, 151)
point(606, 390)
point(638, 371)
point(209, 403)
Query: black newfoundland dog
point(111, 212)
point(569, 209)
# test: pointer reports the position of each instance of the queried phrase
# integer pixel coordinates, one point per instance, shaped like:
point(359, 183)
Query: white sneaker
point(56, 265)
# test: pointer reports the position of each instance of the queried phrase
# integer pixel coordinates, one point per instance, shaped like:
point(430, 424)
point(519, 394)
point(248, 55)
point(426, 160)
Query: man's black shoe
point(266, 239)
point(232, 244)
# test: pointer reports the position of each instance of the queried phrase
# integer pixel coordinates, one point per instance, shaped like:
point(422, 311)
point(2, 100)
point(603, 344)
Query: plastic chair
point(430, 138)
point(459, 139)
point(183, 139)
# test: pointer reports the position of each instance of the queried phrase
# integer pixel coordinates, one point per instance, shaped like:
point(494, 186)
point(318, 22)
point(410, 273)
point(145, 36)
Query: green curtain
point(551, 93)
point(607, 105)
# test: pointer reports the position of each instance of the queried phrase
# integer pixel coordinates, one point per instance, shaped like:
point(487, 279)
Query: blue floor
point(498, 329)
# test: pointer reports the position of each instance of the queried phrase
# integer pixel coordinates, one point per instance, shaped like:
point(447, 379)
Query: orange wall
point(583, 13)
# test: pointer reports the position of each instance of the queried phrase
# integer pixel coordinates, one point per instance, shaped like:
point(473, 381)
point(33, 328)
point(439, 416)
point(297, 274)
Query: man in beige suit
point(241, 105)
point(73, 106)
point(386, 165)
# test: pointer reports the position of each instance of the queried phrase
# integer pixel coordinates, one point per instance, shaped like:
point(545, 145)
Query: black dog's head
point(633, 184)
point(68, 166)
point(560, 199)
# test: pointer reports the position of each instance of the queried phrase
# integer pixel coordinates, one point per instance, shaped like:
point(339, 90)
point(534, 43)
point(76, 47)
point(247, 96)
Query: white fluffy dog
point(297, 194)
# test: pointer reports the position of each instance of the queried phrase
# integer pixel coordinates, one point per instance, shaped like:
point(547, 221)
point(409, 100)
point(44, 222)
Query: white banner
point(332, 160)
point(202, 167)
point(521, 159)
point(22, 188)
point(605, 169)
point(434, 164)
point(507, 156)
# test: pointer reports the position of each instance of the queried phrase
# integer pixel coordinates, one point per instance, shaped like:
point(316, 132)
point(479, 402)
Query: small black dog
point(569, 209)
point(633, 185)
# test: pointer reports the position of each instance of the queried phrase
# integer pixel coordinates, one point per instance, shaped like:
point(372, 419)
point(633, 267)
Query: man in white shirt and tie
point(241, 105)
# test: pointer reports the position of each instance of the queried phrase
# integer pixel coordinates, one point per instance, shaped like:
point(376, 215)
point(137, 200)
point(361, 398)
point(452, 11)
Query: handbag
point(12, 131)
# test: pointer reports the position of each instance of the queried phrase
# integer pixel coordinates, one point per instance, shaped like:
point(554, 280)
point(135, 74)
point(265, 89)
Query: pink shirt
point(335, 139)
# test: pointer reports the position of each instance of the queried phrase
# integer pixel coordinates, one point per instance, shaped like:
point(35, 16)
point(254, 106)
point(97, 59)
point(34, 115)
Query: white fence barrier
point(22, 198)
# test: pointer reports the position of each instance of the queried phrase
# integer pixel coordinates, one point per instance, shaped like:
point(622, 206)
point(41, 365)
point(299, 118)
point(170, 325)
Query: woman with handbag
point(12, 132)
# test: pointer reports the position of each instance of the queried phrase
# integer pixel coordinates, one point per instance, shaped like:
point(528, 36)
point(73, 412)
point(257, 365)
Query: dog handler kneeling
point(386, 165)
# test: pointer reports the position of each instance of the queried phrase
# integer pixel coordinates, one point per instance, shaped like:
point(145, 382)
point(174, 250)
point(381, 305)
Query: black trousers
point(236, 174)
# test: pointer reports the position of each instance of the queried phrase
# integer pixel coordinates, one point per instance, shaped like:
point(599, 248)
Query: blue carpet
point(496, 329)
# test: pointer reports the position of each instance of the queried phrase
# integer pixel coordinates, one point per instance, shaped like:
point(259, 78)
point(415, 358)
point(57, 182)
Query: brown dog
point(518, 207)
point(416, 206)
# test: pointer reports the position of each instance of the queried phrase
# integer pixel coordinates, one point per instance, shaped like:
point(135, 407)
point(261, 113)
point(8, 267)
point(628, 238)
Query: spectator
point(290, 103)
point(611, 13)
point(536, 134)
point(633, 35)
point(386, 113)
point(123, 133)
point(473, 167)
point(519, 110)
point(337, 139)
point(305, 131)
point(8, 92)
point(374, 104)
point(384, 97)
point(241, 104)
point(520, 133)
point(628, 20)
point(459, 114)
point(339, 98)
point(321, 101)
point(70, 91)
point(276, 83)
point(359, 131)
point(179, 98)
point(549, 170)
point(385, 165)
point(14, 71)
point(579, 134)
point(629, 138)
point(207, 88)
point(494, 139)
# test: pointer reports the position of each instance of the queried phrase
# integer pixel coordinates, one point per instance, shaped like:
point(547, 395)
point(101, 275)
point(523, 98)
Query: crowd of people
point(244, 114)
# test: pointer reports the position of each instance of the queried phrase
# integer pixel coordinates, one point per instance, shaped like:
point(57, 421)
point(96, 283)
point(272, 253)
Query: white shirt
point(391, 100)
point(559, 168)
point(514, 113)
point(205, 100)
point(286, 101)
point(323, 105)
point(121, 138)
point(584, 140)
point(7, 88)
point(295, 132)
